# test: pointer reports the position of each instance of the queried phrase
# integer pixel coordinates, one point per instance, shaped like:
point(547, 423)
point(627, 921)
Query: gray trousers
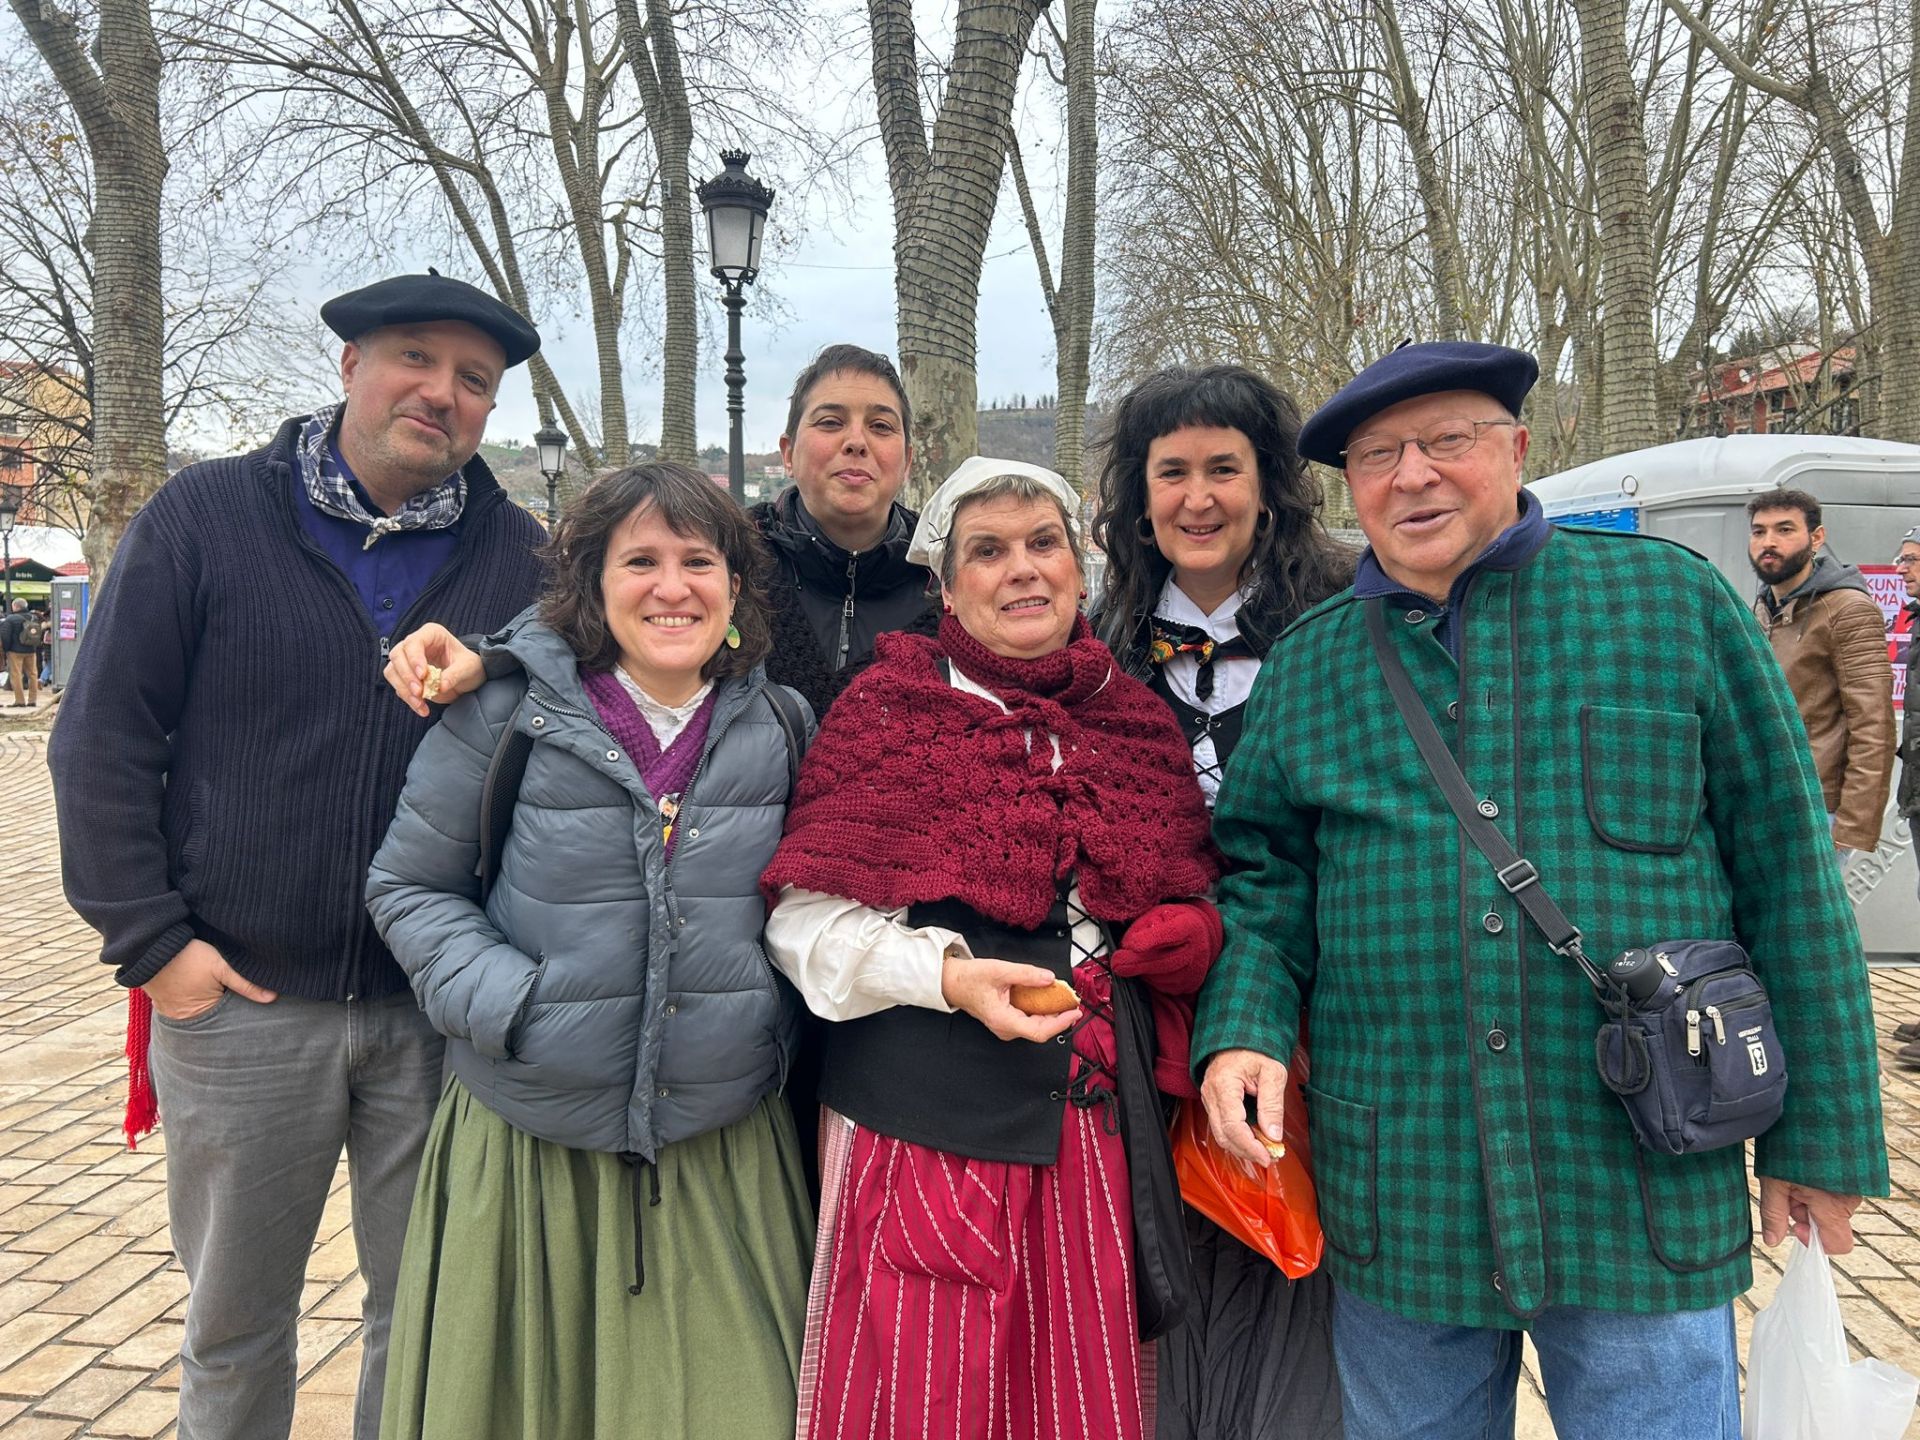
point(257, 1101)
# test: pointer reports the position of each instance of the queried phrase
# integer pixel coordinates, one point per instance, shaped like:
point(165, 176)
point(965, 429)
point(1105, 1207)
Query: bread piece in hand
point(430, 687)
point(1054, 999)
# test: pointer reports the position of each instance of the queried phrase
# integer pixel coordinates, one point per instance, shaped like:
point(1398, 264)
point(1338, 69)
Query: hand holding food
point(432, 665)
point(984, 988)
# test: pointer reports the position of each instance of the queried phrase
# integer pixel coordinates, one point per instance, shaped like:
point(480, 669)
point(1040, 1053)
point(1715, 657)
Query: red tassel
point(143, 1109)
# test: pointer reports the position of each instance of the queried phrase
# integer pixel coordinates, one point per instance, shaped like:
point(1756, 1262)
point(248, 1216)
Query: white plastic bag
point(1799, 1384)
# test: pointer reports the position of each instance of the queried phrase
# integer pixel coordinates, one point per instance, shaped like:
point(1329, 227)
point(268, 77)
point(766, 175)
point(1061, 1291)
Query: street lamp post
point(551, 441)
point(736, 206)
point(9, 513)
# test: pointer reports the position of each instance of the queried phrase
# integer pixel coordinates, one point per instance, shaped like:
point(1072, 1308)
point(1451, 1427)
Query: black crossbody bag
point(1689, 1043)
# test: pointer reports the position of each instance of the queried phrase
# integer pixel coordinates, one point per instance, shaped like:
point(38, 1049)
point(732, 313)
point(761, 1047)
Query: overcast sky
point(836, 281)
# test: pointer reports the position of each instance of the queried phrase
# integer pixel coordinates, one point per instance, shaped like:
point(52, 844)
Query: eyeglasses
point(1374, 455)
point(1912, 537)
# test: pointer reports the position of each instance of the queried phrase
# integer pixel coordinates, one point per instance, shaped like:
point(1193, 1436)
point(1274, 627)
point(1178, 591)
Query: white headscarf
point(929, 544)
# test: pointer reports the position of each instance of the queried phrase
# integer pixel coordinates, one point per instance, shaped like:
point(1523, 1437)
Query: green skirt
point(515, 1317)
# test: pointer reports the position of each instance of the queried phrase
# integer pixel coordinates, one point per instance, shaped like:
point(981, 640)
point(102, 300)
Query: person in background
point(21, 632)
point(992, 811)
point(226, 762)
point(1210, 524)
point(611, 1231)
point(1827, 632)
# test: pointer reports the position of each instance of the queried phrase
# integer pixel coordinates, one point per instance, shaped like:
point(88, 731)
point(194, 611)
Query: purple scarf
point(666, 772)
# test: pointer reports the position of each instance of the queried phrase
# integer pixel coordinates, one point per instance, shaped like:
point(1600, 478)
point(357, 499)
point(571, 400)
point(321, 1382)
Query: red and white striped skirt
point(973, 1298)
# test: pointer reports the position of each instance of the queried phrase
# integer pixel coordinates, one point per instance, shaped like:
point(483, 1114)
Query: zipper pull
point(386, 644)
point(1693, 1033)
point(1660, 957)
point(1719, 1029)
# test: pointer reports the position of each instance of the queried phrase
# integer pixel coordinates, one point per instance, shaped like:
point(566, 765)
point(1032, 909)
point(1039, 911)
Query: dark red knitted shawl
point(914, 791)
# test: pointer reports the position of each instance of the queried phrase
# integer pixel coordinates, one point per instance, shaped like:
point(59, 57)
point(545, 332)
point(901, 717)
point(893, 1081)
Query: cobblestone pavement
point(91, 1298)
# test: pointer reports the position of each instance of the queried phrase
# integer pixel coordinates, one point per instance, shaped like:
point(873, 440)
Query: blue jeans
point(1607, 1376)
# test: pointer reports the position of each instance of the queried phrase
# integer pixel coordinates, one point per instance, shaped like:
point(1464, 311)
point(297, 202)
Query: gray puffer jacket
point(604, 998)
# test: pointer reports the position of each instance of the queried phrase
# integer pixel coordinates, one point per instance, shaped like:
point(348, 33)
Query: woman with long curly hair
point(1211, 527)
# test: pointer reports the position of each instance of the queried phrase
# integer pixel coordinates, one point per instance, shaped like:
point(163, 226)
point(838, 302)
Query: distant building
point(1795, 387)
point(44, 449)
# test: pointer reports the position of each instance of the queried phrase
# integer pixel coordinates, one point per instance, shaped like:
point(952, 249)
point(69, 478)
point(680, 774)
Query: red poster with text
point(1890, 591)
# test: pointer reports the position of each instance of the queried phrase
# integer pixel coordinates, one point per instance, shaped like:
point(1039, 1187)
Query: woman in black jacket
point(1212, 532)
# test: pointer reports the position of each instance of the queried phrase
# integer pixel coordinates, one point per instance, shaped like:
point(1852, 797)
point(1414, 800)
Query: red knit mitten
point(1172, 946)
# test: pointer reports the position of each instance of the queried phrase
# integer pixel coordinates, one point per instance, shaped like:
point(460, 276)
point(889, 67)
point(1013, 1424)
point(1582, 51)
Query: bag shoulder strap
point(793, 724)
point(1518, 876)
point(498, 795)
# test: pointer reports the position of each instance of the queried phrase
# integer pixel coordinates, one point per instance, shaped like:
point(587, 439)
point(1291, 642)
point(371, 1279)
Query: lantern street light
point(736, 206)
point(551, 441)
point(9, 513)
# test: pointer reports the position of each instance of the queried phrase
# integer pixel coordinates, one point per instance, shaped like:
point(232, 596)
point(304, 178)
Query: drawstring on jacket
point(637, 1163)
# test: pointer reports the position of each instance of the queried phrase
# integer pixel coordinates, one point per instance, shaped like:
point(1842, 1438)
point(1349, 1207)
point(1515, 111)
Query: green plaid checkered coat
point(1618, 703)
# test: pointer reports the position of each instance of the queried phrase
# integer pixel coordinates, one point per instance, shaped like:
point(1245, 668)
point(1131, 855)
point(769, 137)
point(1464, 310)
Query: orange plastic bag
point(1273, 1212)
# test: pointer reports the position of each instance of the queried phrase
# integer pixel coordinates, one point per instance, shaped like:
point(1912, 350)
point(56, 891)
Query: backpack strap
point(786, 710)
point(498, 796)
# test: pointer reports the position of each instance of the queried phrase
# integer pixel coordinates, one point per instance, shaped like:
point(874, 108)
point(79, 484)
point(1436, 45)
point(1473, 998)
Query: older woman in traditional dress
point(986, 814)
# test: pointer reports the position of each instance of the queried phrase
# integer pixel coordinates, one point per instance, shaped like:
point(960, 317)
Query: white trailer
point(1696, 491)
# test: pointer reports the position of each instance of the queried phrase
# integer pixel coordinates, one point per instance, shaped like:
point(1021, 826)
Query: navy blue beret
point(1428, 369)
point(422, 299)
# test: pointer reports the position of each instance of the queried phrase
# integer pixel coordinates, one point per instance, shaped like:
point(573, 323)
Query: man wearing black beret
point(1611, 710)
point(228, 759)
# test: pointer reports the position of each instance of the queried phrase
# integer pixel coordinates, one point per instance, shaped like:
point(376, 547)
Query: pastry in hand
point(430, 687)
point(1054, 999)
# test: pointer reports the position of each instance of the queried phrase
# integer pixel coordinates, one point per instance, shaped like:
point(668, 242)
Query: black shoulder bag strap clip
point(1517, 875)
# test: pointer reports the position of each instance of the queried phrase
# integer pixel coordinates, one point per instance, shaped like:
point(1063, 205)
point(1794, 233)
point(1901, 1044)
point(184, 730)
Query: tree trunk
point(576, 153)
point(118, 104)
point(1451, 298)
point(1899, 322)
point(1073, 320)
point(1630, 361)
point(944, 195)
point(653, 53)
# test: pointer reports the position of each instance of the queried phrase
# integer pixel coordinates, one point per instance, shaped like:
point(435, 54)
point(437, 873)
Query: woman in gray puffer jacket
point(610, 1234)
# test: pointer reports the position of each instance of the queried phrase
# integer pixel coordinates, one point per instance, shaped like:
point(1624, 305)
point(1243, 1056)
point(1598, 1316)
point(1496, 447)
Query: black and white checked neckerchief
point(332, 493)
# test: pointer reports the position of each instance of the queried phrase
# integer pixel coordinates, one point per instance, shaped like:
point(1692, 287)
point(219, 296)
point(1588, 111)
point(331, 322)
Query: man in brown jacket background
point(1829, 637)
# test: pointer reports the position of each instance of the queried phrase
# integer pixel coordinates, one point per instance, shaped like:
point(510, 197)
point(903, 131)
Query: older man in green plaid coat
point(1612, 698)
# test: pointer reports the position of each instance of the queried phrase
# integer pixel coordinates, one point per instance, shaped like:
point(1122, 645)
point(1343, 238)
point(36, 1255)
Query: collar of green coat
point(1512, 549)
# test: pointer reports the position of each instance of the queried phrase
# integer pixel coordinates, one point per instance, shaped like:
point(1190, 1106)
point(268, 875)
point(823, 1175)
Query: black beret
point(1428, 369)
point(422, 299)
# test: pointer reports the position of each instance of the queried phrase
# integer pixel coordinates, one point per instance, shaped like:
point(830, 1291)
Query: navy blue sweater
point(228, 757)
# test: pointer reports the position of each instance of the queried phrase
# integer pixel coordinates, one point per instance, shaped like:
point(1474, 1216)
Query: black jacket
point(228, 756)
point(829, 604)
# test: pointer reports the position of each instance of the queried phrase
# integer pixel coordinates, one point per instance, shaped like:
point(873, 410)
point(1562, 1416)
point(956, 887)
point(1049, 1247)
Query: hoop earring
point(1264, 523)
point(1143, 527)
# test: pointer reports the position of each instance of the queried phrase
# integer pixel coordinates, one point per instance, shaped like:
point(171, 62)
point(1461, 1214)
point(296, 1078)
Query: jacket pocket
point(518, 1024)
point(1642, 775)
point(1346, 1165)
point(1696, 1207)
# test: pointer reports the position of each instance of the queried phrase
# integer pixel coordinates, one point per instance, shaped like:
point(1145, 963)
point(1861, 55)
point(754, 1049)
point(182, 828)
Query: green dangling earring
point(733, 636)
